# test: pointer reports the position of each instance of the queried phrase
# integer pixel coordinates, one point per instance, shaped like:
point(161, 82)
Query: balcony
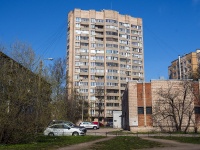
point(112, 87)
point(84, 73)
point(99, 74)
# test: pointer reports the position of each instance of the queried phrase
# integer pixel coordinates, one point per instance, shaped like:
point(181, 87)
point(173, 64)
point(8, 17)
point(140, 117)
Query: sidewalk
point(172, 145)
point(84, 146)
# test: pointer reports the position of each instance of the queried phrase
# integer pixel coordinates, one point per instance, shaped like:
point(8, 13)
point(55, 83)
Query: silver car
point(89, 125)
point(62, 130)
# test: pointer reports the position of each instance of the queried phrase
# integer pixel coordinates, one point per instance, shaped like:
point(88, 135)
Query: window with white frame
point(78, 19)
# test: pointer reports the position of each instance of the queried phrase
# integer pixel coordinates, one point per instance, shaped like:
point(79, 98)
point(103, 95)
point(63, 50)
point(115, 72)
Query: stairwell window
point(140, 110)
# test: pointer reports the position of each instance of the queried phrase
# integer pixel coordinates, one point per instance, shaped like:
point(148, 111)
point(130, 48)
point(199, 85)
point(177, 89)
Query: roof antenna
point(111, 5)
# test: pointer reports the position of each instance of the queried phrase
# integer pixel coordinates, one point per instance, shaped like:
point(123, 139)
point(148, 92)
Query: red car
point(100, 124)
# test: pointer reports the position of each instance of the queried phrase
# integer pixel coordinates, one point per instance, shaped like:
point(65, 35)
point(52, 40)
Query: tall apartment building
point(104, 49)
point(185, 66)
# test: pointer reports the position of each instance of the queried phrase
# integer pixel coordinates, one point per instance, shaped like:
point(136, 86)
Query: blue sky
point(170, 27)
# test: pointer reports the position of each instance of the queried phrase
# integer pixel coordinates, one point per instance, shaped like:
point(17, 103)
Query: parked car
point(62, 129)
point(89, 125)
point(100, 124)
point(72, 125)
point(109, 124)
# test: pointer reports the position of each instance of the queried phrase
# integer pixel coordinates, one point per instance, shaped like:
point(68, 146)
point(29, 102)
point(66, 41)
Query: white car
point(62, 130)
point(89, 125)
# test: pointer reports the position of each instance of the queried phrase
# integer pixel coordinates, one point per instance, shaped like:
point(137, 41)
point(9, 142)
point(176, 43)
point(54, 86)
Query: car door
point(67, 130)
point(57, 129)
point(89, 125)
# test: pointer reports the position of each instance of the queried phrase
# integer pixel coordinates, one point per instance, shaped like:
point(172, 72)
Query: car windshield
point(70, 124)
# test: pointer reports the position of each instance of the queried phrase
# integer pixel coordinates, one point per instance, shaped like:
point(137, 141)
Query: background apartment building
point(104, 49)
point(185, 66)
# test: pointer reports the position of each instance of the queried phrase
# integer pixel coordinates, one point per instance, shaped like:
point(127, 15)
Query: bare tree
point(77, 106)
point(19, 101)
point(100, 95)
point(25, 55)
point(174, 109)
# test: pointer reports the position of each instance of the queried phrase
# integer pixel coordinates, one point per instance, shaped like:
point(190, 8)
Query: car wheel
point(51, 134)
point(94, 128)
point(75, 134)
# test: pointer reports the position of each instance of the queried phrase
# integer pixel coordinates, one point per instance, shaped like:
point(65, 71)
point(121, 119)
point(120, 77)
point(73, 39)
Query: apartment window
point(83, 63)
point(122, 47)
point(92, 90)
point(84, 50)
point(78, 19)
point(92, 77)
point(83, 70)
point(78, 25)
point(111, 58)
point(134, 32)
point(92, 26)
point(92, 84)
point(109, 104)
point(112, 71)
point(99, 45)
point(111, 21)
point(92, 70)
point(76, 76)
point(99, 83)
point(83, 83)
point(135, 43)
point(93, 45)
point(112, 84)
point(92, 38)
point(92, 32)
point(99, 20)
point(84, 19)
point(111, 27)
point(93, 20)
point(134, 37)
point(109, 111)
point(84, 38)
point(77, 57)
point(116, 104)
point(99, 57)
point(112, 77)
point(148, 110)
point(77, 63)
point(83, 90)
point(122, 30)
point(111, 33)
point(127, 30)
point(76, 83)
point(112, 45)
point(84, 44)
point(140, 110)
point(111, 51)
point(77, 43)
point(99, 71)
point(134, 26)
point(78, 38)
point(77, 70)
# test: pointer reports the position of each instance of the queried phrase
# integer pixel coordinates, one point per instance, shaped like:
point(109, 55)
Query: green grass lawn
point(46, 142)
point(193, 140)
point(124, 143)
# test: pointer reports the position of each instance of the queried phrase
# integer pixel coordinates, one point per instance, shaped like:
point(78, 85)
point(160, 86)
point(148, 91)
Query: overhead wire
point(52, 40)
point(162, 43)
